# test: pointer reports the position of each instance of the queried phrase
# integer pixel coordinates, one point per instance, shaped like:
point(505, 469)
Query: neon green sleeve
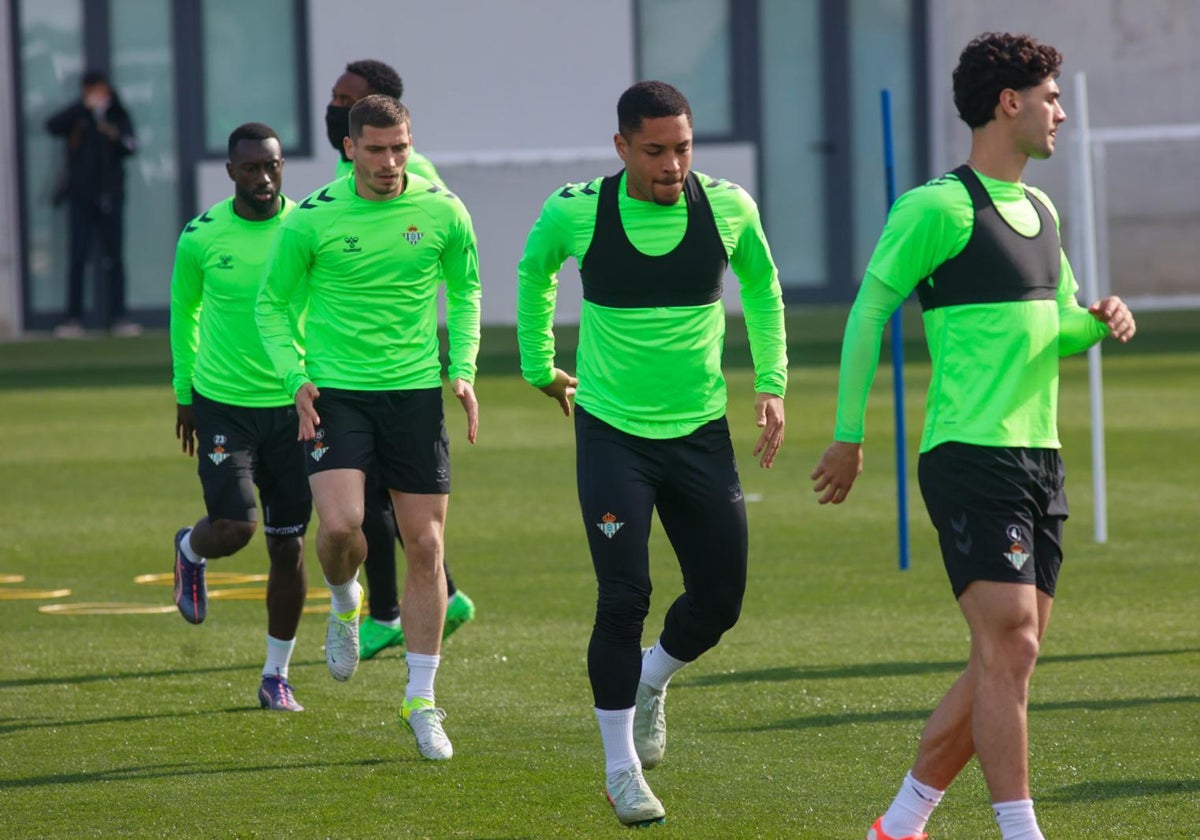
point(187, 287)
point(284, 291)
point(762, 300)
point(874, 305)
point(1077, 329)
point(460, 269)
point(547, 247)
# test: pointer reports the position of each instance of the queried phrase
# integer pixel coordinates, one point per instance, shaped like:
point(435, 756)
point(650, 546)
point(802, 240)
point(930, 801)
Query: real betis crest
point(609, 525)
point(412, 235)
point(1016, 554)
point(319, 449)
point(218, 454)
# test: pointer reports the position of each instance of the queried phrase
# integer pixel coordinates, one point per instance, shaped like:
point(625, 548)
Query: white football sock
point(658, 667)
point(344, 597)
point(279, 655)
point(422, 668)
point(185, 545)
point(1017, 820)
point(911, 808)
point(616, 733)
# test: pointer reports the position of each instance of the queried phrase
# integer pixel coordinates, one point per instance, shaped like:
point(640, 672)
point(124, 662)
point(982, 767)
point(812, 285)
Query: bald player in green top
point(653, 243)
point(982, 251)
point(382, 628)
point(366, 255)
point(231, 411)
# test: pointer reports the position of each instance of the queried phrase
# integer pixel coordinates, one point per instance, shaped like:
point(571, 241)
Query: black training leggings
point(692, 482)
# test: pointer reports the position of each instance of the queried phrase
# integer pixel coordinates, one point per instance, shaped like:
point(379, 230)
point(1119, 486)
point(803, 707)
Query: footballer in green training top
point(232, 412)
point(983, 253)
point(653, 243)
point(366, 254)
point(382, 628)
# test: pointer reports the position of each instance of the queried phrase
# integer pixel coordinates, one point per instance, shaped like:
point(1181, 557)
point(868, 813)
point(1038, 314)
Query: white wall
point(1142, 68)
point(509, 100)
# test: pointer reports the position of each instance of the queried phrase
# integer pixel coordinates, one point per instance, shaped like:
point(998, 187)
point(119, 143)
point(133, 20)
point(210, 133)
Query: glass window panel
point(881, 57)
point(143, 72)
point(250, 70)
point(51, 58)
point(793, 149)
point(687, 43)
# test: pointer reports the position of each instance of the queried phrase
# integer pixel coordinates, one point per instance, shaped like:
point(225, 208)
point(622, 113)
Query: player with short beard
point(231, 411)
point(365, 255)
point(382, 628)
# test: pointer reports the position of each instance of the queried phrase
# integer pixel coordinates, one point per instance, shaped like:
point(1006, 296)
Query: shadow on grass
point(1123, 789)
point(874, 670)
point(843, 718)
point(81, 679)
point(11, 725)
point(167, 771)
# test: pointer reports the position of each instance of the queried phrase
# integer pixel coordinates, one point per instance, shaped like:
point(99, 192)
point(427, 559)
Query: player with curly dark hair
point(993, 62)
point(982, 251)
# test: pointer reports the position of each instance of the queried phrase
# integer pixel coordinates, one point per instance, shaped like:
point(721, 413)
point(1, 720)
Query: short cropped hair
point(378, 111)
point(649, 100)
point(250, 131)
point(994, 62)
point(380, 77)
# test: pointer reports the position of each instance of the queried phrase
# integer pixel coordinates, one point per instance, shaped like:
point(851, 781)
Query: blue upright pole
point(889, 166)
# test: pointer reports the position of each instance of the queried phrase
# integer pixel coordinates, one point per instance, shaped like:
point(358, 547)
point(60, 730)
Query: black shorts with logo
point(403, 433)
point(238, 448)
point(999, 512)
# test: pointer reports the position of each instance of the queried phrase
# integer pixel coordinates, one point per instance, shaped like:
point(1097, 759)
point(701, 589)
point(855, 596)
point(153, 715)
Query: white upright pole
point(1090, 286)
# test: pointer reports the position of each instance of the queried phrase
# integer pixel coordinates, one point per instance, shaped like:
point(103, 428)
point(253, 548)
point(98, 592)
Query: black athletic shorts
point(402, 432)
point(238, 448)
point(999, 512)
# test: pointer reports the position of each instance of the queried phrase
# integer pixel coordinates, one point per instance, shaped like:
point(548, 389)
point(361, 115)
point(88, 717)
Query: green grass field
point(800, 724)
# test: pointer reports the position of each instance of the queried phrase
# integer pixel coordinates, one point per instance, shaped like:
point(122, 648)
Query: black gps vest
point(998, 264)
point(616, 274)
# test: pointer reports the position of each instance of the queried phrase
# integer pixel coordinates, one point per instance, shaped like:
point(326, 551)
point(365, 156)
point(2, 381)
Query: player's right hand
point(307, 412)
point(185, 428)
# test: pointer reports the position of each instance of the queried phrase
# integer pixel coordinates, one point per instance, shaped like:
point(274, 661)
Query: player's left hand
point(1113, 312)
point(768, 410)
point(466, 395)
point(185, 428)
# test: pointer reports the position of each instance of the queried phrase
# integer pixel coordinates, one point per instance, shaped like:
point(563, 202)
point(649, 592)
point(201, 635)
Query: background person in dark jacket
point(99, 136)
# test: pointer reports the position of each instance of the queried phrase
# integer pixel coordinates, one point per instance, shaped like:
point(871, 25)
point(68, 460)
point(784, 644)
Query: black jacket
point(95, 164)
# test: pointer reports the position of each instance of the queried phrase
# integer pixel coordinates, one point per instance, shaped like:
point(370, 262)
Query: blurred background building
point(513, 98)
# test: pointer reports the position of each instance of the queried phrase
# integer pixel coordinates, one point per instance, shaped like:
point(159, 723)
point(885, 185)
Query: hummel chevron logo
point(583, 189)
point(203, 218)
point(960, 527)
point(323, 195)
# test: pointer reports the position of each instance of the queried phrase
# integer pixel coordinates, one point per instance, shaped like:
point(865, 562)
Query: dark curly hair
point(996, 61)
point(381, 78)
point(650, 99)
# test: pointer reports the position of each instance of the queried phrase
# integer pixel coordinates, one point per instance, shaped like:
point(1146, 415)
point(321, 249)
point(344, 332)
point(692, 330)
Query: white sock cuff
point(422, 660)
point(927, 792)
point(658, 667)
point(185, 545)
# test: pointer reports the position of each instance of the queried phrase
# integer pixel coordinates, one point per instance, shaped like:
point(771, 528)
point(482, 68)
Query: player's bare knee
point(231, 535)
